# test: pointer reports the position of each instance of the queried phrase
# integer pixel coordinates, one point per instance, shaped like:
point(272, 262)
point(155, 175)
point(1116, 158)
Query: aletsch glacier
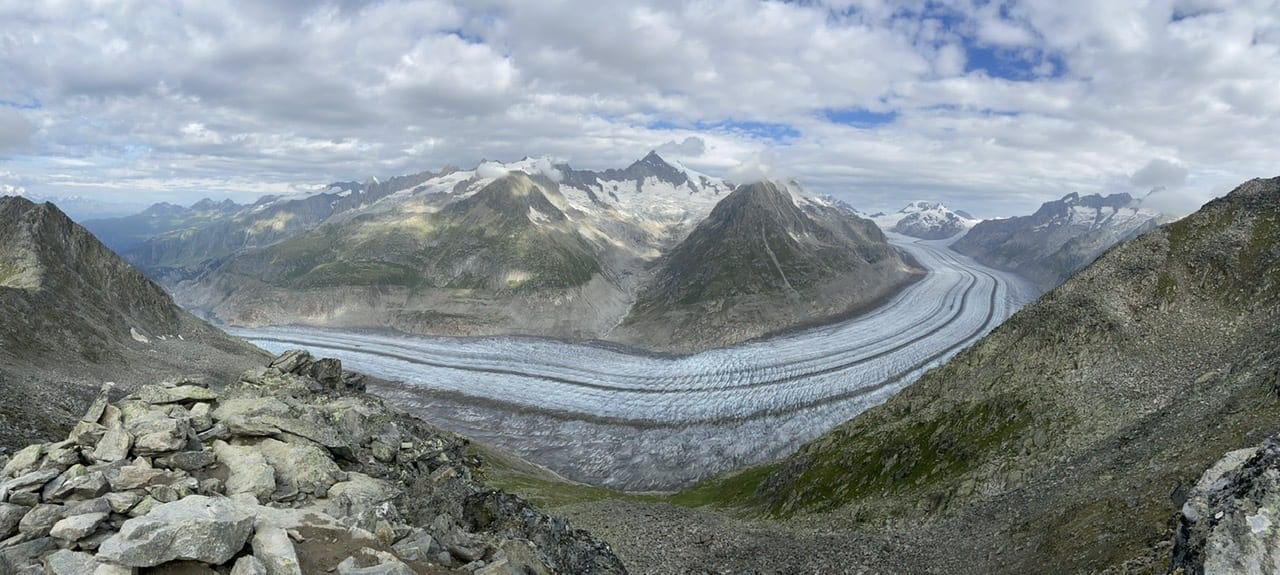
point(638, 421)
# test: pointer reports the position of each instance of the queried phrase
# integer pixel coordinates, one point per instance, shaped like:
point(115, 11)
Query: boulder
point(10, 515)
point(300, 467)
point(248, 565)
point(189, 461)
point(78, 488)
point(67, 562)
point(41, 518)
point(160, 395)
point(77, 527)
point(33, 481)
point(272, 547)
point(23, 461)
point(86, 434)
point(112, 569)
point(131, 477)
point(290, 361)
point(115, 442)
point(94, 413)
point(248, 469)
point(201, 417)
point(196, 528)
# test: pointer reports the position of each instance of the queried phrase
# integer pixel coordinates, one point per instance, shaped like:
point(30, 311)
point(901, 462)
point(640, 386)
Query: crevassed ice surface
point(639, 421)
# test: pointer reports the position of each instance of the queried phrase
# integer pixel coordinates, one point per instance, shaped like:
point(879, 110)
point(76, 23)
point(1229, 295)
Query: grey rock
point(201, 417)
point(25, 498)
point(159, 395)
point(94, 413)
point(415, 547)
point(249, 470)
point(272, 547)
point(27, 552)
point(299, 467)
point(34, 480)
point(383, 564)
point(67, 562)
point(41, 518)
point(188, 461)
point(113, 569)
point(10, 515)
point(23, 461)
point(249, 565)
point(77, 527)
point(79, 488)
point(196, 528)
point(291, 360)
point(86, 434)
point(131, 477)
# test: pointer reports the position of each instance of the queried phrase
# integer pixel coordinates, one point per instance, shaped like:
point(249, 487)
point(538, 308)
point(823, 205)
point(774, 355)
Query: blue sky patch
point(860, 117)
point(772, 131)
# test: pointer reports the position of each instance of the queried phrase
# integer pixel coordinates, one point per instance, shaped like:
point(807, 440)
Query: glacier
point(626, 419)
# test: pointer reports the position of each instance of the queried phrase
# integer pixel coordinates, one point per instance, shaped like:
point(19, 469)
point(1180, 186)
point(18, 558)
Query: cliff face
point(288, 469)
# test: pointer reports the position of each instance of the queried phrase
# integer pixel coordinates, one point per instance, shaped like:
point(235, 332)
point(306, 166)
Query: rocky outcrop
point(289, 470)
point(1229, 523)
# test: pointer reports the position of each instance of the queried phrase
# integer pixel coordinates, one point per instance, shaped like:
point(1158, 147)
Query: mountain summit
point(765, 259)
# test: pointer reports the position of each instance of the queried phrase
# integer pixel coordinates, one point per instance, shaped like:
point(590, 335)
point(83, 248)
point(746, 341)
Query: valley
point(608, 416)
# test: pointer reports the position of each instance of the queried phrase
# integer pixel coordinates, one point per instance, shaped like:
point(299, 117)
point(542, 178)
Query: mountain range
point(1060, 238)
point(531, 247)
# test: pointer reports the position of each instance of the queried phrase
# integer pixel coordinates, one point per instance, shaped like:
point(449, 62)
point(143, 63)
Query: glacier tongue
point(638, 421)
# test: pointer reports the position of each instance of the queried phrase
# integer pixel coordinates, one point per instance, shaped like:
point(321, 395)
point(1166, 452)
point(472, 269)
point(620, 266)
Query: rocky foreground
point(291, 469)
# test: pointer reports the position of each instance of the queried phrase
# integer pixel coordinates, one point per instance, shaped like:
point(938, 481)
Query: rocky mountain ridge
point(290, 469)
point(1060, 238)
point(71, 312)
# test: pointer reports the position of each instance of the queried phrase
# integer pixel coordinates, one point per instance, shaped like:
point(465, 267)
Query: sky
point(989, 106)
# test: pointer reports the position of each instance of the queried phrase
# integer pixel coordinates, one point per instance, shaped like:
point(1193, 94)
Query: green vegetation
point(849, 465)
point(734, 489)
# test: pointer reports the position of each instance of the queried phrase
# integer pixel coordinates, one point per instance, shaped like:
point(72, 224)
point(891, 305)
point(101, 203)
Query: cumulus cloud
point(992, 107)
point(690, 147)
point(759, 167)
point(545, 167)
point(1160, 173)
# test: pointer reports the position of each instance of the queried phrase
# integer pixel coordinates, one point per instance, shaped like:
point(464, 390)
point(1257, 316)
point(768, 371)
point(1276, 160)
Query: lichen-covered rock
point(1230, 522)
point(67, 562)
point(197, 528)
point(249, 470)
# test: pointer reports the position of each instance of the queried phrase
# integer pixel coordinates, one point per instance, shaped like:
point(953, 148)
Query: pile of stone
point(290, 470)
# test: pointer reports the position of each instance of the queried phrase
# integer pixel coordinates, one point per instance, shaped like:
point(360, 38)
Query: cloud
point(546, 167)
point(488, 170)
point(178, 100)
point(759, 167)
point(15, 131)
point(1159, 173)
point(690, 147)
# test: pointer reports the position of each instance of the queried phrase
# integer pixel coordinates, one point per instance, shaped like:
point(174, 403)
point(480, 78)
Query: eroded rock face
point(1231, 521)
point(180, 476)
